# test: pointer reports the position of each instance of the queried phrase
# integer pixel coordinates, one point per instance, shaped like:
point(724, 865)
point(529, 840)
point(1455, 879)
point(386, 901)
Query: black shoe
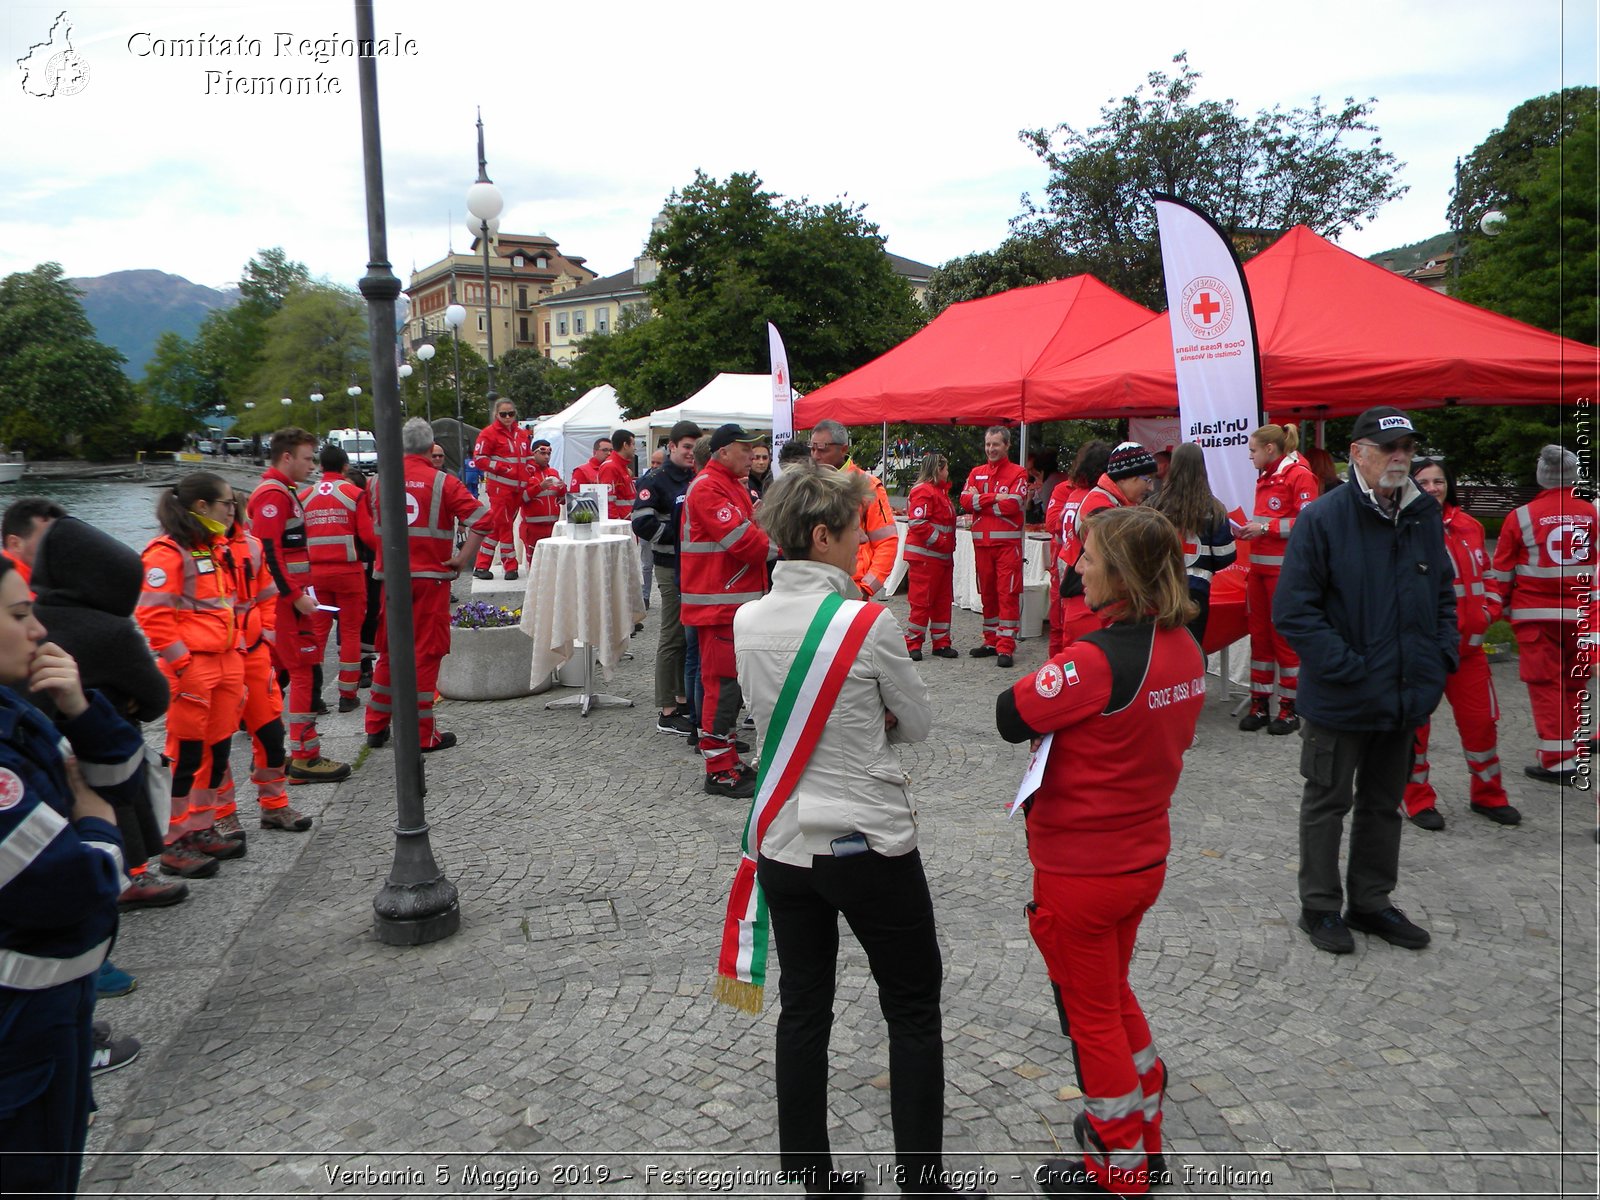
point(1391, 925)
point(1327, 931)
point(1285, 722)
point(366, 674)
point(444, 742)
point(1428, 819)
point(1500, 814)
point(739, 784)
point(377, 741)
point(1256, 718)
point(982, 652)
point(349, 703)
point(1002, 661)
point(319, 706)
point(511, 574)
point(946, 652)
point(916, 655)
point(676, 722)
point(483, 573)
point(1546, 775)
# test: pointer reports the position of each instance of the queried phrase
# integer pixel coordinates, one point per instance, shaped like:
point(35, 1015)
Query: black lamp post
point(417, 903)
point(426, 352)
point(484, 203)
point(456, 316)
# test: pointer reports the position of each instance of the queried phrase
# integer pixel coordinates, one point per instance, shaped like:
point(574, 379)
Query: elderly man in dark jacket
point(1366, 600)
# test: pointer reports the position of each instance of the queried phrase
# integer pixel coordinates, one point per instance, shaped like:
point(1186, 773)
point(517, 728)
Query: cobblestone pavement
point(565, 1040)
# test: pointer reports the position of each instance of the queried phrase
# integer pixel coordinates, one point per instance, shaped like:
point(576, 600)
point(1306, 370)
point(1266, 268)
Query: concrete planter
point(487, 664)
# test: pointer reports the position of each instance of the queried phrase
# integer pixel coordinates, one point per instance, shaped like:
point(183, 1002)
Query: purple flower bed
point(482, 615)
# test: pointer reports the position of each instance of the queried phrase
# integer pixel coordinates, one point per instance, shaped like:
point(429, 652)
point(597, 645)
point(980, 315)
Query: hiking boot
point(209, 841)
point(1256, 718)
point(738, 784)
point(366, 674)
point(442, 741)
point(109, 1053)
point(1391, 925)
point(1285, 722)
point(180, 859)
point(946, 652)
point(511, 574)
point(1002, 661)
point(229, 827)
point(111, 981)
point(151, 891)
point(349, 703)
point(1500, 814)
point(285, 819)
point(676, 721)
point(319, 707)
point(483, 573)
point(916, 655)
point(377, 741)
point(1327, 931)
point(982, 652)
point(317, 770)
point(1429, 819)
point(1546, 775)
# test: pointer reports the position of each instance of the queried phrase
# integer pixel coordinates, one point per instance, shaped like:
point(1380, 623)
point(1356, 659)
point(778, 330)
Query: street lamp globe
point(404, 371)
point(1493, 223)
point(484, 201)
point(425, 352)
point(286, 402)
point(475, 227)
point(455, 316)
point(249, 404)
point(353, 390)
point(316, 397)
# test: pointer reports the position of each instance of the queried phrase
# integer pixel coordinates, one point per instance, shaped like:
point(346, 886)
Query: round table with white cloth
point(581, 590)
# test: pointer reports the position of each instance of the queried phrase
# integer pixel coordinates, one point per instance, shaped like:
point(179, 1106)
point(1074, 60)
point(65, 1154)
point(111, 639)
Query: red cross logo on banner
point(1205, 308)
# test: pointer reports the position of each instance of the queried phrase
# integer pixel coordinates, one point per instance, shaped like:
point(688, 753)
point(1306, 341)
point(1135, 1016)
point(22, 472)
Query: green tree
point(537, 385)
point(177, 392)
point(1017, 262)
point(316, 341)
point(733, 257)
point(1495, 173)
point(1319, 166)
point(60, 387)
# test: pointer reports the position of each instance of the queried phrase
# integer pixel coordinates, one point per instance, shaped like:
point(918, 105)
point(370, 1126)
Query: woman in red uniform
point(1471, 689)
point(1059, 513)
point(1126, 698)
point(930, 558)
point(1284, 487)
point(186, 610)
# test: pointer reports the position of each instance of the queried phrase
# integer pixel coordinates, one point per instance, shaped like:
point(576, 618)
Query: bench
point(1493, 499)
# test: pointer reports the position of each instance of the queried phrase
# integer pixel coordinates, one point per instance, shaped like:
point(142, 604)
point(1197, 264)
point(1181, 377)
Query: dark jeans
point(886, 902)
point(1340, 767)
point(691, 670)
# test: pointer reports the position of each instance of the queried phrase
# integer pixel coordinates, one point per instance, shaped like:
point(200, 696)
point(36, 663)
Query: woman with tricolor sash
point(832, 830)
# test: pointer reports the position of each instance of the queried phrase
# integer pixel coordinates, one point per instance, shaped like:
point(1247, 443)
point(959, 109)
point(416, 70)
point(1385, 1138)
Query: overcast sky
point(595, 112)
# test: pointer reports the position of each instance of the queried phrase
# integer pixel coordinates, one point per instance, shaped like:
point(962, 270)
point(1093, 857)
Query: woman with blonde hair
point(1284, 487)
point(1202, 523)
point(930, 558)
point(1126, 699)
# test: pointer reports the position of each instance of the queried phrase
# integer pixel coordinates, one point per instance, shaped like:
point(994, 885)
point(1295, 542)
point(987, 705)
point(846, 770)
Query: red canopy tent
point(975, 362)
point(1336, 335)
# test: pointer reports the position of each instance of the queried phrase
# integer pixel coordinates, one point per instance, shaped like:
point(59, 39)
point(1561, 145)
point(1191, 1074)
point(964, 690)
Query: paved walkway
point(567, 1032)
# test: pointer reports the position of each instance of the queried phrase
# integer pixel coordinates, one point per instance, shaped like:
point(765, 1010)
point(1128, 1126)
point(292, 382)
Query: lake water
point(127, 511)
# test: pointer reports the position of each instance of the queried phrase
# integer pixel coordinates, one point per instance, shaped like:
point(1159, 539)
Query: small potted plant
point(581, 521)
point(490, 657)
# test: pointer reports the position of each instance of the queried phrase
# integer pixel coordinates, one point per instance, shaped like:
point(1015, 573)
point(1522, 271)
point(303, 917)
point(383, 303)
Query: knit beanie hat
point(1558, 468)
point(1130, 460)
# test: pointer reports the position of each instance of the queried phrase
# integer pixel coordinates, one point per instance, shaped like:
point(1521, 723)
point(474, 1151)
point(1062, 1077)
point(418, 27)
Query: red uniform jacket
point(1105, 494)
point(1101, 808)
point(277, 518)
point(588, 472)
point(540, 506)
point(1280, 495)
point(502, 455)
point(722, 551)
point(615, 474)
point(186, 606)
point(435, 501)
point(336, 520)
point(1544, 562)
point(994, 495)
point(931, 530)
point(1463, 537)
point(1058, 517)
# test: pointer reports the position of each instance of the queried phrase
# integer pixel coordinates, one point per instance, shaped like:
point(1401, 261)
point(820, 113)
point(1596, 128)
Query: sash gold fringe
point(748, 997)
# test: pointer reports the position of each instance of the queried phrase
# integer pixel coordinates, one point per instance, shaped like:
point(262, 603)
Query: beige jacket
point(854, 781)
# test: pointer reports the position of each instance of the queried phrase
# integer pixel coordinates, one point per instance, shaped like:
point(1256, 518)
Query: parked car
point(235, 445)
point(206, 446)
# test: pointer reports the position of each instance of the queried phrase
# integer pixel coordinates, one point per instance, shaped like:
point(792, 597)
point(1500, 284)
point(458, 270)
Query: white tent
point(746, 399)
point(573, 430)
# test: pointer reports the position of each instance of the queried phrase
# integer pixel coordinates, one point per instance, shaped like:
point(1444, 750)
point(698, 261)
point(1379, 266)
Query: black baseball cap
point(1382, 426)
point(732, 432)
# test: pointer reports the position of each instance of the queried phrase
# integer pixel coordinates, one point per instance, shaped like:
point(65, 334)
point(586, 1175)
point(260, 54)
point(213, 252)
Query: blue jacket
point(60, 878)
point(657, 509)
point(1368, 604)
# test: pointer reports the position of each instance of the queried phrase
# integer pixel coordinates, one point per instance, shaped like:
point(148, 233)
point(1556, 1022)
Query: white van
point(359, 444)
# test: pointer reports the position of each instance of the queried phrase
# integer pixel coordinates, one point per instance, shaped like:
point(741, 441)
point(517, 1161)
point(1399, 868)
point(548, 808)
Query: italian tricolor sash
point(809, 693)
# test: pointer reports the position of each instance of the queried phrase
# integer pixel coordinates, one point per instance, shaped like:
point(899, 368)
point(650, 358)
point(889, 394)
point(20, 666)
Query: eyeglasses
point(815, 446)
point(437, 457)
point(506, 416)
point(230, 503)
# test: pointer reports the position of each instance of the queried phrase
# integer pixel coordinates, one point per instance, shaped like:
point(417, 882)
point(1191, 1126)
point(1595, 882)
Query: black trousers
point(1343, 768)
point(887, 904)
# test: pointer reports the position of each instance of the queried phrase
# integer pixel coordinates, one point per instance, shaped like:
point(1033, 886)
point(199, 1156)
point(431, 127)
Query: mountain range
point(130, 310)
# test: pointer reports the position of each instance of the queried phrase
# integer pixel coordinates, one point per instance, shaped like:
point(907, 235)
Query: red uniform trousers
point(263, 720)
point(719, 710)
point(206, 700)
point(346, 588)
point(1556, 670)
point(1076, 619)
point(1000, 585)
point(504, 505)
point(430, 617)
point(1471, 694)
point(533, 532)
point(295, 651)
point(1085, 927)
point(1271, 657)
point(931, 587)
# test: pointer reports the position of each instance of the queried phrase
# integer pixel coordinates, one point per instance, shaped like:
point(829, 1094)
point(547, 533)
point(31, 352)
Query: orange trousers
point(206, 702)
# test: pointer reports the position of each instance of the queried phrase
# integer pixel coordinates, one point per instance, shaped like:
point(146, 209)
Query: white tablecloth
point(604, 526)
point(1035, 568)
point(581, 591)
